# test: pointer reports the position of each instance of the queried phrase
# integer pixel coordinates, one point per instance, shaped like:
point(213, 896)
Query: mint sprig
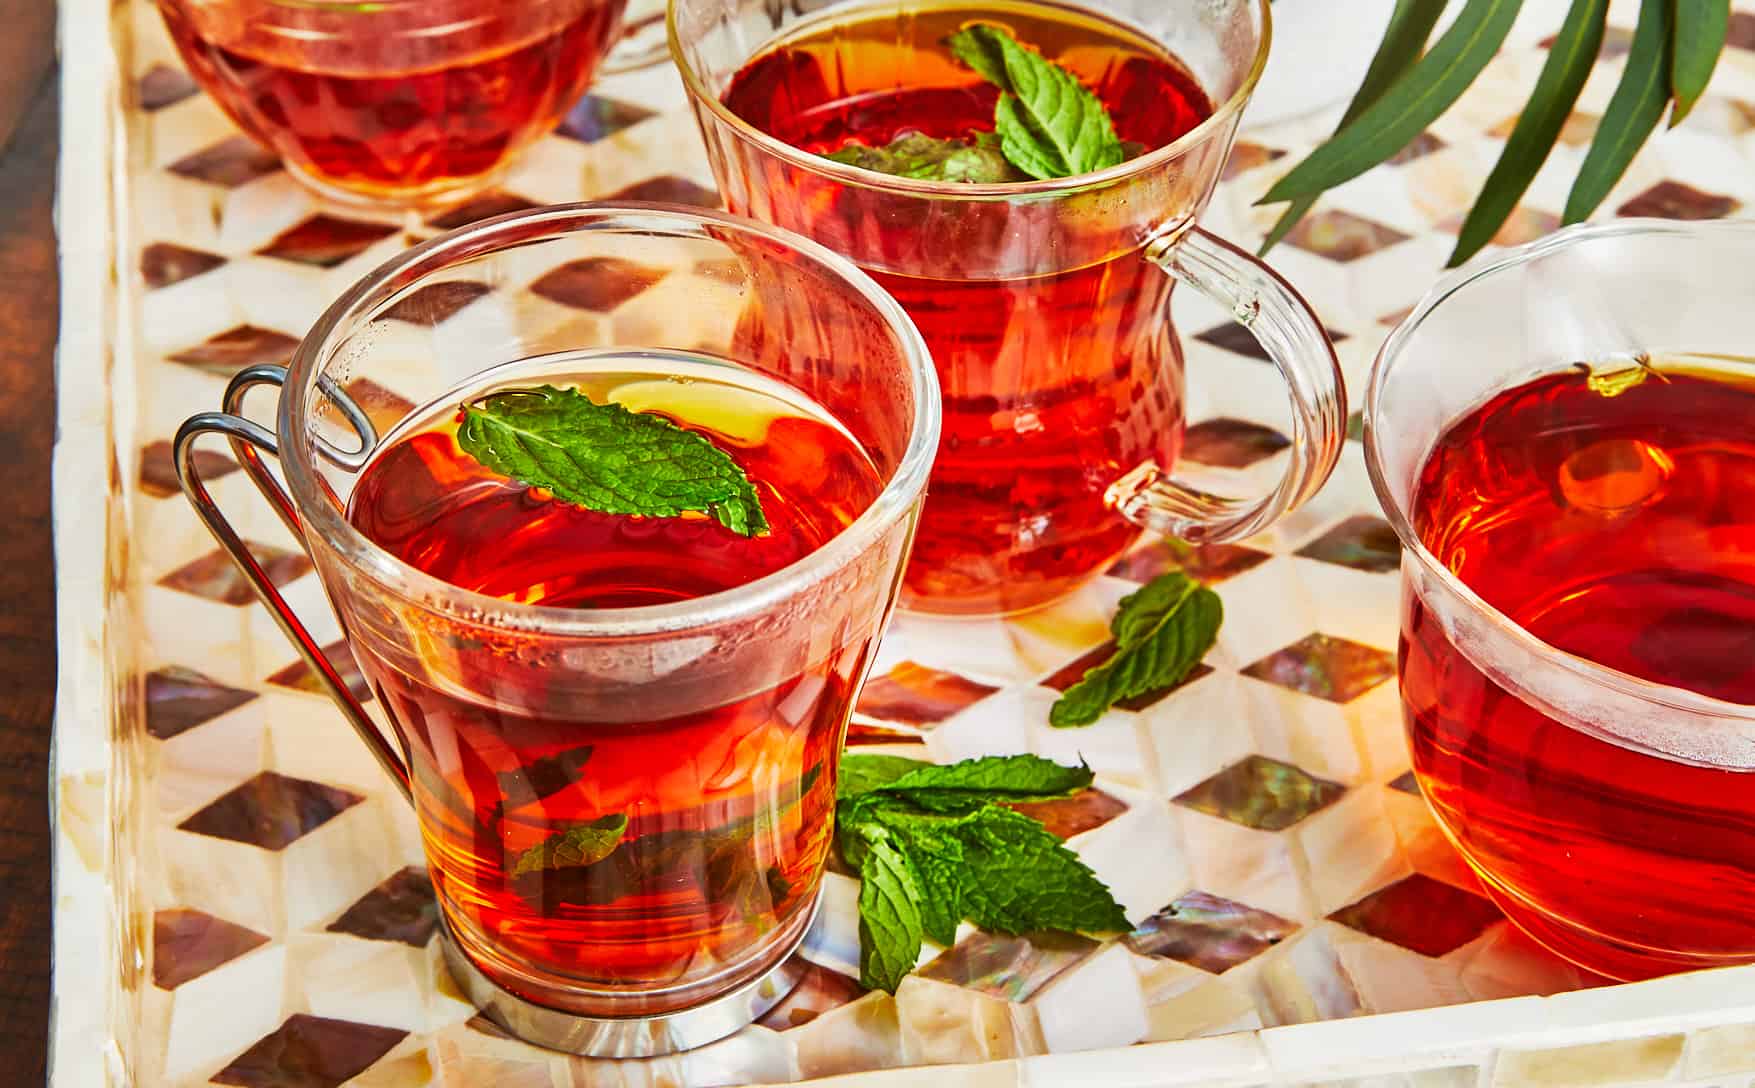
point(1050, 125)
point(935, 845)
point(1161, 631)
point(605, 458)
point(978, 160)
point(574, 847)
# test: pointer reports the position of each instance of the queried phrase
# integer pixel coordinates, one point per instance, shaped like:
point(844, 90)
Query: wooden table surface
point(28, 315)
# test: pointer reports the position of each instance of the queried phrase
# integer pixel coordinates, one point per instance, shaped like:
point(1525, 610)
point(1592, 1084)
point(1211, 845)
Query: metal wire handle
point(248, 441)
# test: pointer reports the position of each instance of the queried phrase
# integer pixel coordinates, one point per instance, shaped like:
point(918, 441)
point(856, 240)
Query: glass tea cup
point(399, 103)
point(1045, 303)
point(707, 730)
point(1611, 815)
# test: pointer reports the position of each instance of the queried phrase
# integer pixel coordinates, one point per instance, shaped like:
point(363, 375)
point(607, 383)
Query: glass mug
point(400, 102)
point(1045, 304)
point(1610, 816)
point(712, 726)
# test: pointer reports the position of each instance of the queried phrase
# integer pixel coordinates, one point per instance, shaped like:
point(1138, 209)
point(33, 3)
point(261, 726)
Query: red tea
point(719, 817)
point(394, 98)
point(1616, 524)
point(1055, 384)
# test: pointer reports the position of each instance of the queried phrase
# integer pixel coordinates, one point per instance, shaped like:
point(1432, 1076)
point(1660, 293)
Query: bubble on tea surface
point(1615, 476)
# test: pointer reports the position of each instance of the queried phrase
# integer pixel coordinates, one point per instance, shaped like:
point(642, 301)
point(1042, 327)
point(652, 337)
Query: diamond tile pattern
point(1262, 793)
point(1248, 852)
point(1209, 932)
point(217, 578)
point(1337, 669)
point(271, 810)
point(310, 1052)
point(299, 676)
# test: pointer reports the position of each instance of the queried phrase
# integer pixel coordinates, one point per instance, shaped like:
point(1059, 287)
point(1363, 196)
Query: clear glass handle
point(1282, 322)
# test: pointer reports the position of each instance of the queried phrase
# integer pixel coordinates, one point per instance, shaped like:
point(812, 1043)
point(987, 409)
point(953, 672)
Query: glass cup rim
point(955, 190)
point(302, 395)
point(1394, 347)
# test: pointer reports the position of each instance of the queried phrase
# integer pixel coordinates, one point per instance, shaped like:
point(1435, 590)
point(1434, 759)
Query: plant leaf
point(574, 847)
point(965, 786)
point(1139, 613)
point(932, 847)
point(606, 458)
point(1569, 64)
point(925, 158)
point(1633, 112)
point(1157, 658)
point(1019, 878)
point(1050, 125)
point(1701, 26)
point(890, 929)
point(861, 774)
point(1417, 99)
point(1410, 24)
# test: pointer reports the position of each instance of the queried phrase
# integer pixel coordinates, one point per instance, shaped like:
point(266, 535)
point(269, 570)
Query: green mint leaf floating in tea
point(606, 458)
point(1161, 632)
point(942, 835)
point(977, 161)
point(575, 847)
point(1050, 125)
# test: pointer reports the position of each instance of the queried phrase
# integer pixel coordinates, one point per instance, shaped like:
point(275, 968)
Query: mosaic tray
point(240, 899)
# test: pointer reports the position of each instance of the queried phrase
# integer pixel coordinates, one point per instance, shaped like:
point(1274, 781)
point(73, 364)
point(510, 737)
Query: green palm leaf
point(1410, 24)
point(1423, 93)
point(1700, 38)
point(1569, 64)
point(1633, 111)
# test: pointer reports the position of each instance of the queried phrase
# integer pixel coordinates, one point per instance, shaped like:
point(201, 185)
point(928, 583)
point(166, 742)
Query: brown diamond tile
point(229, 163)
point(1205, 563)
point(164, 263)
point(1231, 443)
point(325, 240)
point(179, 699)
point(1675, 200)
point(669, 189)
point(271, 811)
point(299, 676)
point(485, 206)
point(1209, 932)
point(1406, 783)
point(1342, 236)
point(226, 353)
point(158, 469)
point(1262, 793)
point(1524, 224)
point(163, 86)
point(1246, 156)
point(817, 993)
point(1396, 317)
point(1013, 968)
point(217, 578)
point(400, 909)
point(1362, 543)
point(598, 284)
point(593, 117)
point(1422, 914)
point(1740, 34)
point(187, 944)
point(310, 1052)
point(859, 734)
point(1238, 340)
point(1616, 42)
point(1065, 817)
point(1418, 148)
point(1327, 667)
point(384, 408)
point(436, 302)
point(918, 695)
point(1074, 671)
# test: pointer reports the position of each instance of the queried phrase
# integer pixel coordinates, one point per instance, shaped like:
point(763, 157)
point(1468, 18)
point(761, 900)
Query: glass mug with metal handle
point(1045, 303)
point(626, 808)
point(1563, 437)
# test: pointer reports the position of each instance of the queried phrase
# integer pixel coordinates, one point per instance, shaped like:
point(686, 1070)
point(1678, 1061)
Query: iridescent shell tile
point(1209, 932)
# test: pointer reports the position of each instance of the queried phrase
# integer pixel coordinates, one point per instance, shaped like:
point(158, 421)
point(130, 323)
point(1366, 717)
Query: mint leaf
point(931, 847)
point(1050, 125)
point(1019, 878)
point(1161, 632)
point(606, 458)
point(889, 914)
point(965, 786)
point(978, 161)
point(574, 847)
point(864, 773)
